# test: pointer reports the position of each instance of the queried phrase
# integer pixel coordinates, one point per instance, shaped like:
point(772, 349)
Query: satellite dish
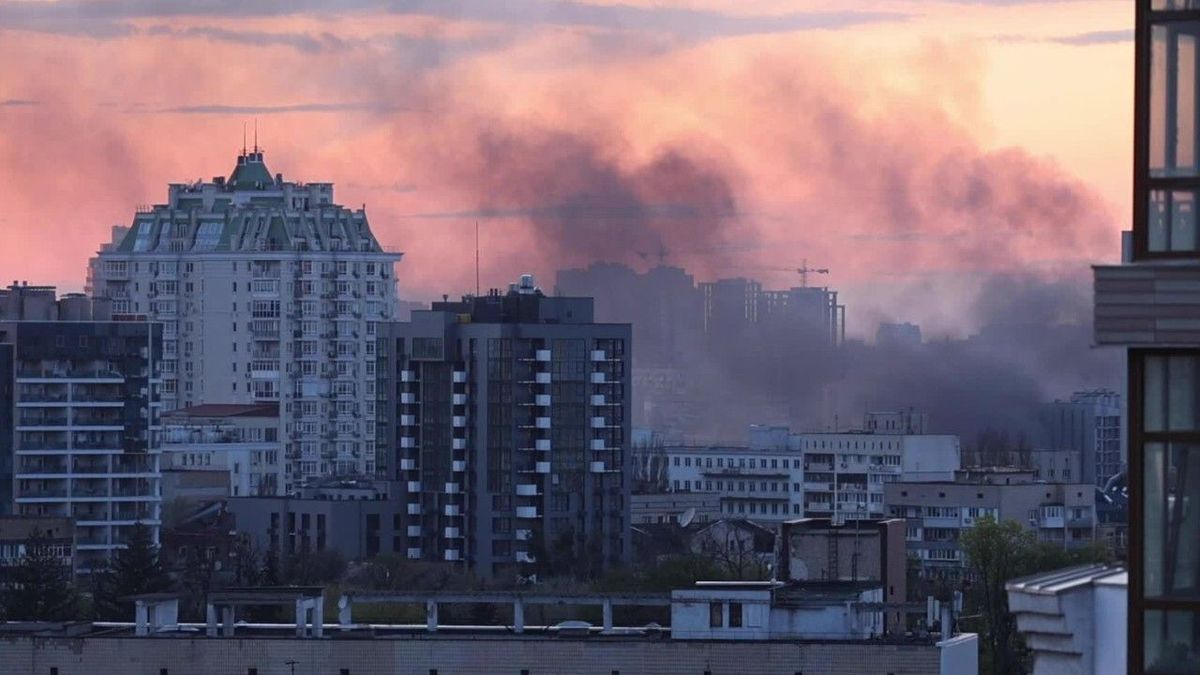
point(687, 517)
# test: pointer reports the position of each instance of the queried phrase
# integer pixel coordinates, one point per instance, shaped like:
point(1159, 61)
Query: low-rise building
point(240, 441)
point(58, 535)
point(781, 475)
point(938, 512)
point(682, 508)
point(358, 519)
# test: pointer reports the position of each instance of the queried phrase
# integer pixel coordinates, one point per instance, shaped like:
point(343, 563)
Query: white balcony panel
point(542, 400)
point(598, 378)
point(597, 422)
point(408, 464)
point(408, 420)
point(525, 557)
point(459, 377)
point(408, 442)
point(542, 355)
point(452, 510)
point(598, 444)
point(452, 533)
point(527, 512)
point(527, 490)
point(458, 466)
point(414, 530)
point(408, 376)
point(452, 488)
point(542, 422)
point(542, 378)
point(459, 443)
point(408, 398)
point(597, 467)
point(459, 421)
point(414, 486)
point(542, 444)
point(598, 355)
point(597, 399)
point(523, 535)
point(414, 554)
point(452, 554)
point(542, 467)
point(459, 399)
point(414, 509)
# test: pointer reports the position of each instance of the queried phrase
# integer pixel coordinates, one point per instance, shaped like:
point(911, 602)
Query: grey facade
point(358, 526)
point(79, 421)
point(508, 416)
point(1090, 423)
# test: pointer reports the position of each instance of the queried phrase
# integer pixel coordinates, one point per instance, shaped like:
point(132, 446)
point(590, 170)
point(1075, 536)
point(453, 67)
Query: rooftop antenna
point(477, 258)
point(243, 137)
point(256, 134)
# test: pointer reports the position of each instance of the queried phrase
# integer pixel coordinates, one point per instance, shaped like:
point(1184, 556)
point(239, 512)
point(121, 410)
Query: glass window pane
point(1158, 5)
point(1173, 54)
point(1172, 520)
point(1172, 402)
point(1172, 642)
point(1172, 221)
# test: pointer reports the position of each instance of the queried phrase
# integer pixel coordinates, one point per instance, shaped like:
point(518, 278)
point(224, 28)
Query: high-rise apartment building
point(1151, 306)
point(79, 417)
point(510, 416)
point(268, 291)
point(1089, 423)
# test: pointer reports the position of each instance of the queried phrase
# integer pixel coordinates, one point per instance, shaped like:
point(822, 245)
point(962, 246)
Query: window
point(715, 609)
point(735, 615)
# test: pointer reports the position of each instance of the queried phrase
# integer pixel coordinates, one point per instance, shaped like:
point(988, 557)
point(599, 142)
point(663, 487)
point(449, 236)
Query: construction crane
point(804, 269)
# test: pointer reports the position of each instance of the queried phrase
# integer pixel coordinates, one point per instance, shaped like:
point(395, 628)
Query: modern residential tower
point(510, 415)
point(268, 291)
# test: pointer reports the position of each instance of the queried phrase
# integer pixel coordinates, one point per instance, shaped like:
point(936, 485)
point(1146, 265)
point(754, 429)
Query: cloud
point(305, 42)
point(1098, 37)
point(17, 103)
point(222, 109)
point(108, 18)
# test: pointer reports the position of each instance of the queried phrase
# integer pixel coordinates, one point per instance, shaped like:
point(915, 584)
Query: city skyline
point(964, 149)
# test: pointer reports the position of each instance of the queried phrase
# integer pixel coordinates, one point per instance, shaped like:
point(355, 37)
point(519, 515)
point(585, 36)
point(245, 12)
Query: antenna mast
point(243, 137)
point(255, 134)
point(477, 258)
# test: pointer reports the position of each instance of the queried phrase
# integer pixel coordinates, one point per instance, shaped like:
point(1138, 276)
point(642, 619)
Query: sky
point(918, 149)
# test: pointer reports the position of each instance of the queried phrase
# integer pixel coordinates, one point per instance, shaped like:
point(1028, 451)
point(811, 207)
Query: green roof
point(250, 173)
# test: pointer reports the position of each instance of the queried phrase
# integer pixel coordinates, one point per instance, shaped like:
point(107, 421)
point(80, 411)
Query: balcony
point(542, 355)
point(408, 465)
point(597, 399)
point(525, 557)
point(541, 422)
point(458, 421)
point(452, 510)
point(408, 398)
point(408, 376)
point(414, 554)
point(458, 466)
point(414, 486)
point(414, 530)
point(598, 355)
point(414, 509)
point(599, 444)
point(523, 535)
point(458, 377)
point(452, 554)
point(452, 488)
point(599, 378)
point(527, 512)
point(452, 533)
point(408, 442)
point(819, 507)
point(527, 490)
point(408, 420)
point(458, 443)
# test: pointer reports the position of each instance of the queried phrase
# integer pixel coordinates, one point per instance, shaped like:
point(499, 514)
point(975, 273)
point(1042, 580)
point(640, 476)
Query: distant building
point(741, 548)
point(737, 308)
point(682, 508)
point(15, 532)
point(358, 519)
point(268, 291)
point(1090, 423)
point(510, 419)
point(816, 549)
point(904, 335)
point(79, 421)
point(938, 513)
point(1057, 466)
point(240, 441)
point(783, 475)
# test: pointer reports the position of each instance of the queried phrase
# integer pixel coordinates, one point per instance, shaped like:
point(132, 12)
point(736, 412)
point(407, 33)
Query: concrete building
point(737, 308)
point(268, 291)
point(79, 417)
point(239, 441)
point(817, 549)
point(681, 508)
point(898, 335)
point(1089, 423)
point(1074, 620)
point(938, 512)
point(782, 475)
point(358, 519)
point(15, 532)
point(510, 418)
point(1057, 466)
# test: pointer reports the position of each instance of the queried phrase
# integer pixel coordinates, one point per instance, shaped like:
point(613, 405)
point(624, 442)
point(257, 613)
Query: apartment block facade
point(509, 414)
point(1089, 423)
point(240, 441)
point(782, 475)
point(79, 419)
point(268, 291)
point(937, 513)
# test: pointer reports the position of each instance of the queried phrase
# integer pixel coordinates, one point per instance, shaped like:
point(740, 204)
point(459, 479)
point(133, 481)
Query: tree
point(997, 553)
point(40, 588)
point(136, 569)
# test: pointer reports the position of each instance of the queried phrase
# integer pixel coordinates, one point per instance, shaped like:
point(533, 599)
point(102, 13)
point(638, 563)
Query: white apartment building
point(783, 475)
point(268, 291)
point(240, 441)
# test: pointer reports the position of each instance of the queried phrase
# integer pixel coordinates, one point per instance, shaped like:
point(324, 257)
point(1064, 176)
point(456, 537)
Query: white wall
point(929, 457)
point(960, 654)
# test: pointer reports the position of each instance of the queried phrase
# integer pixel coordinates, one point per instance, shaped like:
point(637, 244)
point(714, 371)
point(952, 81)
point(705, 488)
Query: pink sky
point(912, 146)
